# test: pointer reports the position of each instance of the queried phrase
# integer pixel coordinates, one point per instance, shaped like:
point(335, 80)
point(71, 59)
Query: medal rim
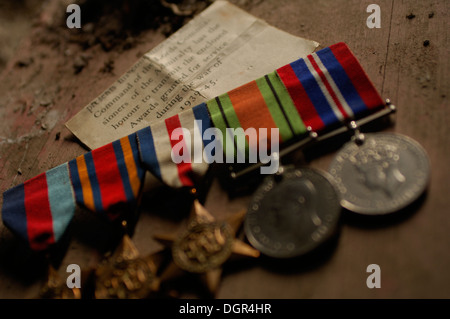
point(358, 209)
point(310, 246)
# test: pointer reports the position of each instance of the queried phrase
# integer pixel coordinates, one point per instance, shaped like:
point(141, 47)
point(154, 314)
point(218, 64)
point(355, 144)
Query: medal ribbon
point(40, 209)
point(320, 91)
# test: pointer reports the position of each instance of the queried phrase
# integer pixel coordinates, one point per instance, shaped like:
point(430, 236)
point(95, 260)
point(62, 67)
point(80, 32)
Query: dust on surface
point(15, 23)
point(112, 24)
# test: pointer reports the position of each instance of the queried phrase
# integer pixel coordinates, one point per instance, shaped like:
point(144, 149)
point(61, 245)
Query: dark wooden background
point(408, 61)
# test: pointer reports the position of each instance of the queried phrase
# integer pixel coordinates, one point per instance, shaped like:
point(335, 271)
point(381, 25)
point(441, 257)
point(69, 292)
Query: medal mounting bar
point(311, 138)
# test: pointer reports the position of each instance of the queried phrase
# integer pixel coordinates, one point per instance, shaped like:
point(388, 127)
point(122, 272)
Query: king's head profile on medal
point(385, 174)
point(378, 168)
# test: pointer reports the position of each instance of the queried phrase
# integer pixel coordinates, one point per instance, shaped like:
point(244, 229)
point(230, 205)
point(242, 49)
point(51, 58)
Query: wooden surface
point(40, 91)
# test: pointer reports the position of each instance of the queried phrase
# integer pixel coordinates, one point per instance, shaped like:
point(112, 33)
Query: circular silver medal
point(383, 175)
point(292, 213)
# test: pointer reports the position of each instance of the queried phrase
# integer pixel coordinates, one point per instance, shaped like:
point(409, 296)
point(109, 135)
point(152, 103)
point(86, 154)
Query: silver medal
point(293, 213)
point(382, 175)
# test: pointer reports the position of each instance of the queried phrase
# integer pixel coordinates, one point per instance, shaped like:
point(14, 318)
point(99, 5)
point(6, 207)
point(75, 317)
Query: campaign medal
point(126, 275)
point(381, 173)
point(292, 213)
point(205, 246)
point(56, 287)
point(302, 101)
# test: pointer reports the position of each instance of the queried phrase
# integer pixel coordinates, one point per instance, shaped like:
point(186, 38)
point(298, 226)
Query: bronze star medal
point(126, 275)
point(205, 246)
point(56, 288)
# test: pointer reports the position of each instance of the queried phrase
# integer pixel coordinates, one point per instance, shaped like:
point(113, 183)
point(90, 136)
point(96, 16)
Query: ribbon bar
point(319, 91)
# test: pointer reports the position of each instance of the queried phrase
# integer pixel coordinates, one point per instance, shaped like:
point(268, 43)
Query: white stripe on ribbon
point(163, 149)
point(324, 90)
point(188, 121)
point(333, 85)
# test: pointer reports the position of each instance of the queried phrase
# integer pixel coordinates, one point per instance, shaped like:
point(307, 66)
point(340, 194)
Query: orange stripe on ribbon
point(251, 108)
point(86, 187)
point(135, 181)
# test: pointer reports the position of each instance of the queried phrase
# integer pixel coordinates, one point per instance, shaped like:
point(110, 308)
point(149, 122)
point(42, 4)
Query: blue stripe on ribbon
point(201, 113)
point(76, 183)
point(13, 211)
point(342, 81)
point(61, 198)
point(94, 182)
point(147, 151)
point(314, 92)
point(123, 170)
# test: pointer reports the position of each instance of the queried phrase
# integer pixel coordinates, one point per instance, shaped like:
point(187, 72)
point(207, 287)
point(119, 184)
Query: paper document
point(219, 50)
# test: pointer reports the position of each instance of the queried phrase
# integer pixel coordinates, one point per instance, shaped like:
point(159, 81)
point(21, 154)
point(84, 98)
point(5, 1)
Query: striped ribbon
point(156, 144)
point(320, 91)
point(263, 103)
point(329, 87)
point(107, 176)
point(40, 209)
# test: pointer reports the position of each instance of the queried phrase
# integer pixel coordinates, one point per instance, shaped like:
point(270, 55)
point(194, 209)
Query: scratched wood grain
point(411, 249)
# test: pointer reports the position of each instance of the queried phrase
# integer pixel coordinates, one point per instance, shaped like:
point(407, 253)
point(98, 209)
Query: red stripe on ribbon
point(327, 86)
point(300, 98)
point(357, 75)
point(38, 212)
point(108, 177)
point(172, 123)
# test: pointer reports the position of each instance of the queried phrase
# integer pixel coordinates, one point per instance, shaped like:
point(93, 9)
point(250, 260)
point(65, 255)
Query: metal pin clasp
point(358, 137)
point(279, 173)
point(391, 107)
point(312, 134)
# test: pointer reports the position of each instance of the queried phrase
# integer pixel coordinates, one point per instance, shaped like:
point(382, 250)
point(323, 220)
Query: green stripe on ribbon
point(219, 120)
point(275, 108)
point(286, 103)
point(240, 141)
point(228, 110)
point(232, 121)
